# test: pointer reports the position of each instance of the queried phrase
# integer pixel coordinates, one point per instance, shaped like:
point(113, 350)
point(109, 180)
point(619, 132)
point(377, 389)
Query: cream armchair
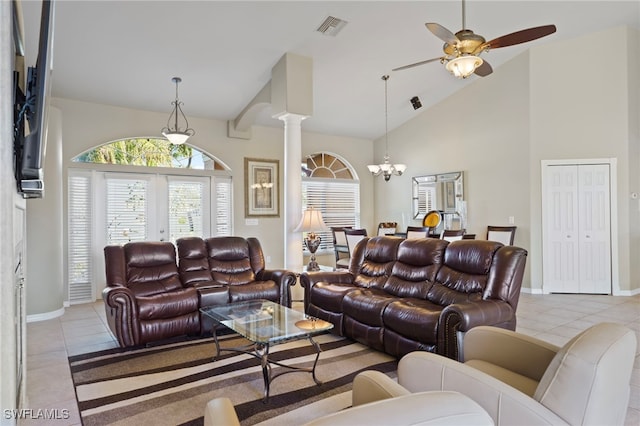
point(410, 409)
point(507, 379)
point(522, 380)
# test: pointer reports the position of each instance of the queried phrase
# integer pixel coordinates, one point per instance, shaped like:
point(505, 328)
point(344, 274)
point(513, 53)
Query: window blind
point(80, 239)
point(339, 202)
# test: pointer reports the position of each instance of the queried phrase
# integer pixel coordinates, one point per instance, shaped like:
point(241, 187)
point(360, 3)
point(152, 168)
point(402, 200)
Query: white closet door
point(561, 255)
point(577, 229)
point(595, 228)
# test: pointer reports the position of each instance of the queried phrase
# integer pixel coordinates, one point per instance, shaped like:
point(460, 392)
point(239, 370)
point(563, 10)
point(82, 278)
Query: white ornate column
point(293, 258)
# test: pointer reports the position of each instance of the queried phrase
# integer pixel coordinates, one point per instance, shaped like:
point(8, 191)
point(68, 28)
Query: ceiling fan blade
point(484, 69)
point(416, 64)
point(442, 33)
point(522, 36)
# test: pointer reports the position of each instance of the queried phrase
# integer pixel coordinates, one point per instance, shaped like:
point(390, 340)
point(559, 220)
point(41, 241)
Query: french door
point(577, 229)
point(116, 208)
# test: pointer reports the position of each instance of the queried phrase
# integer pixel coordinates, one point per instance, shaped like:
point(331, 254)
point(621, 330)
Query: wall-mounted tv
point(30, 139)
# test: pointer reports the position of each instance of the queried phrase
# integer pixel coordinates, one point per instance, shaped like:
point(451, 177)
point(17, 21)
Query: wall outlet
point(512, 220)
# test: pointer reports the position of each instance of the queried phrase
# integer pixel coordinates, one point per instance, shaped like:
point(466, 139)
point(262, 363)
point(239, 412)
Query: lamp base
point(313, 242)
point(313, 265)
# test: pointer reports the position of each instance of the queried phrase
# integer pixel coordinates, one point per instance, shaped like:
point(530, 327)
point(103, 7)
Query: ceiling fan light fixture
point(463, 66)
point(174, 134)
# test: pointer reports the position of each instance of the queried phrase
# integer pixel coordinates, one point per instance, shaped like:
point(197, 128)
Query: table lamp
point(310, 223)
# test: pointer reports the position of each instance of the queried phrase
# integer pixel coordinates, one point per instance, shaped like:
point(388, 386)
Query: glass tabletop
point(263, 321)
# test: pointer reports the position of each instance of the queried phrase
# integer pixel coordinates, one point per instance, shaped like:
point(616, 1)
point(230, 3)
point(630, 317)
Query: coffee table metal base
point(261, 352)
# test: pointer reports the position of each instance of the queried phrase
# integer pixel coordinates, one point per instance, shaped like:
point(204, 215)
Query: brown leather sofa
point(150, 295)
point(400, 296)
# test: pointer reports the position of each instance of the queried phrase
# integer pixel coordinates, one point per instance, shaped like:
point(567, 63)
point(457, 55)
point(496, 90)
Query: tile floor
point(83, 329)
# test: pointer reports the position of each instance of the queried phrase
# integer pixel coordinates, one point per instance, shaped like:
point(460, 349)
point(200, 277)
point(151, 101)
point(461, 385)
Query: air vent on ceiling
point(331, 26)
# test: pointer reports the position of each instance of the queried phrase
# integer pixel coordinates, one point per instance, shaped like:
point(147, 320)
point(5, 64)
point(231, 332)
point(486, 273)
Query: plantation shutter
point(80, 239)
point(126, 210)
point(339, 202)
point(186, 209)
point(223, 205)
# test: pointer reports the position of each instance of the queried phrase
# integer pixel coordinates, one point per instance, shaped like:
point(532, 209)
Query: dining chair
point(340, 247)
point(501, 234)
point(387, 228)
point(431, 220)
point(353, 237)
point(452, 234)
point(417, 232)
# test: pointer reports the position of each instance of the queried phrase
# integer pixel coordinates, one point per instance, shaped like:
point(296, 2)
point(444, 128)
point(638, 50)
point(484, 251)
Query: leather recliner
point(144, 298)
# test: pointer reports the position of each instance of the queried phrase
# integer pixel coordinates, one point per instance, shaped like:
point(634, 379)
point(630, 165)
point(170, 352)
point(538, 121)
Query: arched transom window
point(150, 152)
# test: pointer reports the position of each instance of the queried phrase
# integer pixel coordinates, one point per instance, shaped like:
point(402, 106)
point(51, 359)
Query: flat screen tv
point(30, 141)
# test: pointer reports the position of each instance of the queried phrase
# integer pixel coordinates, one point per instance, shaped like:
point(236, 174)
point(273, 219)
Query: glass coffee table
point(264, 324)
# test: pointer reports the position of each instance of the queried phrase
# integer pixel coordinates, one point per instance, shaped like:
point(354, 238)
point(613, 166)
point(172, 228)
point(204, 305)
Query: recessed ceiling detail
point(331, 26)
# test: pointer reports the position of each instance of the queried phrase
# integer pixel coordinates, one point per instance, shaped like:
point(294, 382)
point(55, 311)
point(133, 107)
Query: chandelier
point(174, 134)
point(386, 169)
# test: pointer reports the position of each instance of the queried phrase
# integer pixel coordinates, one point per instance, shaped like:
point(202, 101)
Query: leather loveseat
point(402, 295)
point(151, 295)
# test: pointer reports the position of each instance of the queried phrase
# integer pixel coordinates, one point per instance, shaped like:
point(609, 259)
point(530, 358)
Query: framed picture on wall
point(261, 198)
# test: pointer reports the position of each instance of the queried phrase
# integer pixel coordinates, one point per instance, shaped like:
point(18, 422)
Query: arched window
point(330, 184)
point(150, 152)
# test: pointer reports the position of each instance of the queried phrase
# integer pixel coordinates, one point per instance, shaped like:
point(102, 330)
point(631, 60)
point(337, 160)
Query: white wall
point(11, 232)
point(497, 129)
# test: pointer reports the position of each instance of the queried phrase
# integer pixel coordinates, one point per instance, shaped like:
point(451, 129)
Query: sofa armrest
point(285, 279)
point(309, 279)
point(372, 385)
point(122, 314)
point(422, 371)
point(220, 412)
point(462, 317)
point(519, 353)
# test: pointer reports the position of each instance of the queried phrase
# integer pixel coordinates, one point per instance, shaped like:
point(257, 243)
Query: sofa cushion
point(418, 260)
point(414, 318)
point(380, 254)
point(465, 270)
point(149, 288)
point(168, 305)
point(193, 264)
point(367, 305)
point(329, 296)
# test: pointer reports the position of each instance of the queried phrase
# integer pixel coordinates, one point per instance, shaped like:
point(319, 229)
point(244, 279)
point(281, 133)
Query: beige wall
point(86, 125)
point(535, 107)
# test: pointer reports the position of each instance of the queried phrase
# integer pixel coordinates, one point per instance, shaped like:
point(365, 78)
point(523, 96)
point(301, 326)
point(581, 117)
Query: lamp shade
point(176, 138)
point(463, 66)
point(311, 222)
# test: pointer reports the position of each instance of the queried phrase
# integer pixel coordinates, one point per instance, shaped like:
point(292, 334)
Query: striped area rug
point(171, 384)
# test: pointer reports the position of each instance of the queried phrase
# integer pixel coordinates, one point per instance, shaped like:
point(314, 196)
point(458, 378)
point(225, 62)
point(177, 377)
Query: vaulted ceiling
point(125, 53)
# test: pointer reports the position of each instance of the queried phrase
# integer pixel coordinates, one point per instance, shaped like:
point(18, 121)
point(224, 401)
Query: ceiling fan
point(462, 50)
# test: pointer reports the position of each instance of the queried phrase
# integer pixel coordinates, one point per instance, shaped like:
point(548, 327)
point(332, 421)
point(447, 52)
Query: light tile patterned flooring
point(83, 329)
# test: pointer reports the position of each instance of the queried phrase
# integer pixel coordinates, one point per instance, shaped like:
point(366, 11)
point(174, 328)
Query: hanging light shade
point(463, 66)
point(386, 169)
point(174, 134)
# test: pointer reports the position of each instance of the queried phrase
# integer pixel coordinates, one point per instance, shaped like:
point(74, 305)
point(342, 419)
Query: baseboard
point(45, 316)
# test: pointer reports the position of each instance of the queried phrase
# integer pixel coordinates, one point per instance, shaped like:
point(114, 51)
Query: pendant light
point(386, 169)
point(174, 134)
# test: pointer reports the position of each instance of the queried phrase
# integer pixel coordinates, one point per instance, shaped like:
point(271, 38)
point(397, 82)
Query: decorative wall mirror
point(443, 192)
